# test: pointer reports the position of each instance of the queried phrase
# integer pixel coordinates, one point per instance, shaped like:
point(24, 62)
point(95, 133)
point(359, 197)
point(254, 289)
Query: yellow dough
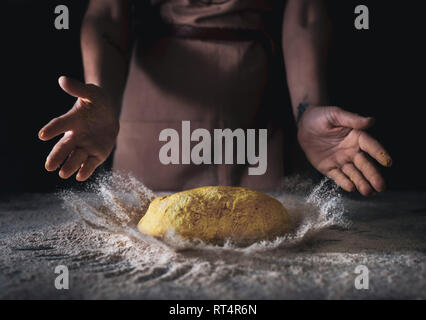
point(215, 214)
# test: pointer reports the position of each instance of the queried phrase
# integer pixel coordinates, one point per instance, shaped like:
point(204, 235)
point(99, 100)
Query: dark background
point(377, 72)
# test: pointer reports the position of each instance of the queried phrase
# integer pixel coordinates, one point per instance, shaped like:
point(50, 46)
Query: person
point(217, 63)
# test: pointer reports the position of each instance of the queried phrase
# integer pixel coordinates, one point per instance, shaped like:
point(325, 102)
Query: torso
point(214, 84)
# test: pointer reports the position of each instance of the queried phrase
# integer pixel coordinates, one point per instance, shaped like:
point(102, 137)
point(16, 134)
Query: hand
point(336, 145)
point(90, 130)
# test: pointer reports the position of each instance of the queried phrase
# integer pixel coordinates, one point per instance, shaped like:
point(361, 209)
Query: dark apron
point(216, 77)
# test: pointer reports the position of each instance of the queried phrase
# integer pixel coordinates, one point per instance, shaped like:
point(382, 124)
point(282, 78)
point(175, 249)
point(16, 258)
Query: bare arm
point(305, 40)
point(334, 140)
point(105, 46)
point(90, 128)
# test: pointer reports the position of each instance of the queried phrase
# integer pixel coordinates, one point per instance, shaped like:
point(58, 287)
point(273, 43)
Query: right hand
point(90, 130)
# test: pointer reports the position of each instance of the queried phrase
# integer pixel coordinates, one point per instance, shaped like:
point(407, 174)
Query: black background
point(378, 72)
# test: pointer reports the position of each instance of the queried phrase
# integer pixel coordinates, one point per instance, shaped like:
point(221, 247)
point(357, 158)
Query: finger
point(358, 179)
point(370, 172)
point(56, 127)
point(342, 180)
point(59, 153)
point(89, 166)
point(351, 120)
point(374, 149)
point(73, 163)
point(75, 88)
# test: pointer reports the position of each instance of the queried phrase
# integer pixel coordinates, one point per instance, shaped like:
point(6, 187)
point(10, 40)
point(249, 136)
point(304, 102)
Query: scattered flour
point(116, 203)
point(108, 258)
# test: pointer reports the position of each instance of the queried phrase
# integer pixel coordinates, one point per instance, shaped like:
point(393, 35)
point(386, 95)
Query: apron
point(204, 61)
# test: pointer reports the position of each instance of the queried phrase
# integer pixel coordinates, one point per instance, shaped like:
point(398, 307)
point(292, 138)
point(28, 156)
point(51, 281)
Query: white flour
point(117, 203)
point(108, 258)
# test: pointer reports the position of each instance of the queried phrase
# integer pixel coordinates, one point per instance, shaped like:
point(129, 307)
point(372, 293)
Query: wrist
point(301, 108)
point(304, 107)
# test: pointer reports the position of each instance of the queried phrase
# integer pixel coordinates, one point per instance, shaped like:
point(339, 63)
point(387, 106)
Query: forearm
point(305, 41)
point(105, 51)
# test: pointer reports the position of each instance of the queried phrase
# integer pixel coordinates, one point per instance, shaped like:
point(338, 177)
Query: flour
point(116, 203)
point(108, 259)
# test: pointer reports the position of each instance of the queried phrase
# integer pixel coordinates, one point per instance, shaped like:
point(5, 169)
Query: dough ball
point(215, 214)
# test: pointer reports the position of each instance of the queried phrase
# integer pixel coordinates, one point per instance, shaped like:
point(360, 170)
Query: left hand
point(336, 144)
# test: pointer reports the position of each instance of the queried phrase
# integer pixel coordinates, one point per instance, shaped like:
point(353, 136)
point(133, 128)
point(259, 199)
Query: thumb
point(75, 88)
point(351, 120)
